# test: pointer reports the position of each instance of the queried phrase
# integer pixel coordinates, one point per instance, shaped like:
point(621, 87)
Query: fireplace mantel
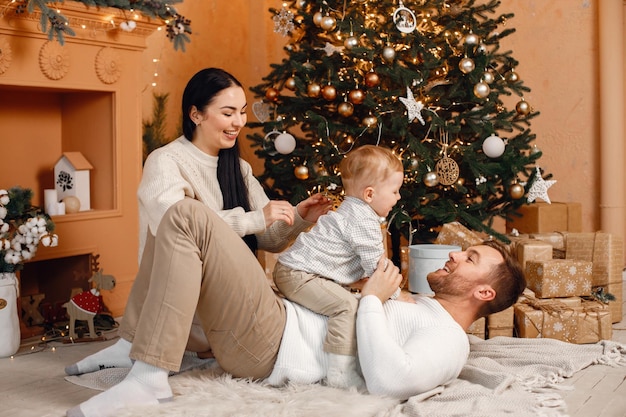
point(85, 96)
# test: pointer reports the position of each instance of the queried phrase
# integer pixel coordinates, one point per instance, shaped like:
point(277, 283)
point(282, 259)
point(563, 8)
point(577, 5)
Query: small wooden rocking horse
point(85, 305)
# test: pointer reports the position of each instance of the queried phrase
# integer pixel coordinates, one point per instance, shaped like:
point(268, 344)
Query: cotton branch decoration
point(22, 228)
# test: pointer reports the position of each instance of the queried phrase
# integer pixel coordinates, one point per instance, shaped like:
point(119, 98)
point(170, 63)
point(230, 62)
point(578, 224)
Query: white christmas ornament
point(539, 189)
point(285, 143)
point(493, 146)
point(413, 107)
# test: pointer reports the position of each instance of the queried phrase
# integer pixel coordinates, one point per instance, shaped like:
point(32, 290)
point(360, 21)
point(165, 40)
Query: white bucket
point(9, 321)
point(424, 259)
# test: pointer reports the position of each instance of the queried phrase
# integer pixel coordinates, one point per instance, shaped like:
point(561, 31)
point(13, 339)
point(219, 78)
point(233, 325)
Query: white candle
point(50, 201)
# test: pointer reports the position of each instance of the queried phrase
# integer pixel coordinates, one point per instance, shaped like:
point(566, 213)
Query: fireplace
point(83, 96)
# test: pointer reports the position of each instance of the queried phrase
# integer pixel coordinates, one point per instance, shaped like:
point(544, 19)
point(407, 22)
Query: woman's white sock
point(115, 356)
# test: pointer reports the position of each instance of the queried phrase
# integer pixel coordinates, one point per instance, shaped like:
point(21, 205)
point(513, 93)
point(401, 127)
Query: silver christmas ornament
point(389, 54)
point(482, 90)
point(466, 65)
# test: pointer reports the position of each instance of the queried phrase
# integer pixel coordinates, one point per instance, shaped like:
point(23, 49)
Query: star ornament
point(413, 107)
point(539, 189)
point(331, 49)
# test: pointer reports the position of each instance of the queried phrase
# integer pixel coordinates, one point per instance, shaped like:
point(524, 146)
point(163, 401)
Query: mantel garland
point(57, 25)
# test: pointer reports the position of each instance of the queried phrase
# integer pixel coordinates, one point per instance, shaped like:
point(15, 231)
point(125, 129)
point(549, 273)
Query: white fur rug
point(504, 377)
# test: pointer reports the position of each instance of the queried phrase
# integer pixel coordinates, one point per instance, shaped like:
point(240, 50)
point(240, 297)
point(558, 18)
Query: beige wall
point(556, 43)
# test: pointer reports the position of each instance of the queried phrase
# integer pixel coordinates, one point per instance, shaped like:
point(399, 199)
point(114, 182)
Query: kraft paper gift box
point(556, 239)
point(532, 250)
point(552, 321)
point(615, 306)
point(477, 328)
point(589, 322)
point(559, 278)
point(500, 324)
point(454, 233)
point(606, 252)
point(541, 217)
point(595, 322)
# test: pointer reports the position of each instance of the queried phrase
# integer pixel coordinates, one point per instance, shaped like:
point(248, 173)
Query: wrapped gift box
point(606, 252)
point(603, 249)
point(532, 250)
point(590, 322)
point(615, 306)
point(500, 324)
point(559, 278)
point(541, 217)
point(456, 234)
point(477, 328)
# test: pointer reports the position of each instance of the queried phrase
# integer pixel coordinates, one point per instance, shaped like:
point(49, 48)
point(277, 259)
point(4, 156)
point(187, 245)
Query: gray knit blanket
point(504, 376)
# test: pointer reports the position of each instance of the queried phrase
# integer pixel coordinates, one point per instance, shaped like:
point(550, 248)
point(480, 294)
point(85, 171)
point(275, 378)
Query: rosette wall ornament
point(54, 60)
point(5, 54)
point(108, 66)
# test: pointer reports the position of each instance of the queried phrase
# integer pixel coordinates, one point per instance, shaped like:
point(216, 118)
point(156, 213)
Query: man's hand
point(384, 281)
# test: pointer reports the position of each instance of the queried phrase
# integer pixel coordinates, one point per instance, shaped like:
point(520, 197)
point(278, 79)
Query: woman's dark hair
point(200, 92)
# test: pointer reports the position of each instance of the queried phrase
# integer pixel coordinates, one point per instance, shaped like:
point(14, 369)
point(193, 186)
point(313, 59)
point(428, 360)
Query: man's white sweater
point(403, 349)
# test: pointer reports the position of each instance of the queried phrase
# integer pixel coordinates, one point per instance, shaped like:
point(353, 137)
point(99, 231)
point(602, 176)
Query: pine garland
point(57, 25)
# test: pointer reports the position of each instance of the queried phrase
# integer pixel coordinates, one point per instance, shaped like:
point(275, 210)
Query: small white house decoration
point(71, 178)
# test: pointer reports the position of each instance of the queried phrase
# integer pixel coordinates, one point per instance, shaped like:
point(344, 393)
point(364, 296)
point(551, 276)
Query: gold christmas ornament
point(466, 65)
point(351, 42)
point(301, 172)
point(271, 94)
point(447, 170)
point(413, 163)
point(345, 109)
point(512, 76)
point(356, 96)
point(370, 121)
point(328, 23)
point(290, 84)
point(482, 90)
point(471, 39)
point(430, 179)
point(329, 92)
point(317, 18)
point(516, 191)
point(372, 79)
point(313, 90)
point(488, 77)
point(522, 107)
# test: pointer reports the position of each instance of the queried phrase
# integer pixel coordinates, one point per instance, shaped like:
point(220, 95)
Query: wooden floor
point(32, 384)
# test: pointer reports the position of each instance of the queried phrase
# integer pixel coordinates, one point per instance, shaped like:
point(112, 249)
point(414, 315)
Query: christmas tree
point(426, 78)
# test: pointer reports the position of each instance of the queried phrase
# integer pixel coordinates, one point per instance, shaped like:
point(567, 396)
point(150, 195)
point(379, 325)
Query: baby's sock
point(115, 356)
point(144, 385)
point(343, 372)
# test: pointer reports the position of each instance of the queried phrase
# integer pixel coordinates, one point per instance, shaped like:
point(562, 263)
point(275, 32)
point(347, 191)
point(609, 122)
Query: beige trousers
point(324, 296)
point(196, 264)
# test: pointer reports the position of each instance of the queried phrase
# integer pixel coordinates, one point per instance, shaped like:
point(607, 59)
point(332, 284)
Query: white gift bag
point(9, 321)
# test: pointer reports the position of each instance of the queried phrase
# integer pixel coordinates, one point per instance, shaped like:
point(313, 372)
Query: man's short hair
point(507, 279)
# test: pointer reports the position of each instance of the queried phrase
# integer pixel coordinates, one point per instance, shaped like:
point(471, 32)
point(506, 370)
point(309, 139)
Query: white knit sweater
point(404, 349)
point(179, 169)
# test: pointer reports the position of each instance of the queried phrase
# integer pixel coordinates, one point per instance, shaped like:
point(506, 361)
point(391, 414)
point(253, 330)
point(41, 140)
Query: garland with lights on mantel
point(57, 25)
